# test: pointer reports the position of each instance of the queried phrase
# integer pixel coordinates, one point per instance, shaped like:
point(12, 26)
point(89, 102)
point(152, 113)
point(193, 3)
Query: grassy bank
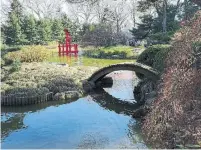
point(36, 78)
point(113, 52)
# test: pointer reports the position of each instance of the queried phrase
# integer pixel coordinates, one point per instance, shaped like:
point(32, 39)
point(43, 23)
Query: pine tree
point(14, 34)
point(30, 30)
point(72, 27)
point(57, 30)
point(144, 28)
point(44, 31)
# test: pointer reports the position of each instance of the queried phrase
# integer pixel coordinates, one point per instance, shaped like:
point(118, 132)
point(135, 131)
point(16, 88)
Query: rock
point(66, 95)
point(59, 96)
point(144, 90)
point(150, 95)
point(149, 101)
point(71, 95)
point(88, 86)
point(140, 112)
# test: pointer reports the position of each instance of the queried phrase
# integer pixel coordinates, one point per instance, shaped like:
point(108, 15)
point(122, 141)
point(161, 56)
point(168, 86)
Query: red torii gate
point(67, 47)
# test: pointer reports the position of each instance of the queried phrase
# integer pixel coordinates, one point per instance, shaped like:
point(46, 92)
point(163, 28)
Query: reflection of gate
point(67, 48)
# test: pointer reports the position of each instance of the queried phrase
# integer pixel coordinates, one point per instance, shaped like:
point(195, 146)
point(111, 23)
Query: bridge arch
point(147, 71)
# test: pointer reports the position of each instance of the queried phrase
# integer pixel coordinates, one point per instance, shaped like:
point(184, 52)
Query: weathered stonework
point(97, 76)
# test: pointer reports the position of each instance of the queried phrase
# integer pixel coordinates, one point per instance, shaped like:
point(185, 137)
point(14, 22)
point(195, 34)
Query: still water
point(72, 60)
point(99, 120)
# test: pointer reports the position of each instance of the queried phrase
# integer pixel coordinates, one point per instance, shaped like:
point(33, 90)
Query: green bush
point(154, 56)
point(159, 61)
point(2, 62)
point(15, 66)
point(118, 52)
point(160, 38)
point(5, 49)
point(10, 48)
point(29, 54)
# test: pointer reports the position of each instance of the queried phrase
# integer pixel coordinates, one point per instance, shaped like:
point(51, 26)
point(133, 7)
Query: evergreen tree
point(30, 30)
point(44, 31)
point(17, 9)
point(72, 27)
point(144, 28)
point(165, 21)
point(14, 34)
point(189, 9)
point(57, 30)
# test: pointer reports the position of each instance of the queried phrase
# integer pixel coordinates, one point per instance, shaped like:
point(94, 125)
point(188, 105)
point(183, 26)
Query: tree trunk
point(164, 23)
point(185, 9)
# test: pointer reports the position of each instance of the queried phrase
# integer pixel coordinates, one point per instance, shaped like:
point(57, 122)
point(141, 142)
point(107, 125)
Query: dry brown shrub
point(175, 118)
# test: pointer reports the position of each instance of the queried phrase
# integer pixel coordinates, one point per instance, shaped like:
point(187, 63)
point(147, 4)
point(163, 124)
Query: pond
point(99, 120)
point(83, 60)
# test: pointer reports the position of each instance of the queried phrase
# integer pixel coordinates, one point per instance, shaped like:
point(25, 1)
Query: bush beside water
point(55, 78)
point(29, 54)
point(117, 52)
point(154, 56)
point(174, 121)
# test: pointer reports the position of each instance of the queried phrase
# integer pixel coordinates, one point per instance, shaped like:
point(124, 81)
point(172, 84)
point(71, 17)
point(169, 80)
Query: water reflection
point(109, 102)
point(70, 59)
point(12, 117)
point(99, 120)
point(11, 123)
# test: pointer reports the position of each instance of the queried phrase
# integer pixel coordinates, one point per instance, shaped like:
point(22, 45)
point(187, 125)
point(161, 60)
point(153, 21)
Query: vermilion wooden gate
point(67, 48)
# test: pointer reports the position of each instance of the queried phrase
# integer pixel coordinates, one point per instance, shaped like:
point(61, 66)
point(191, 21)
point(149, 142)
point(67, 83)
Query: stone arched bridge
point(147, 71)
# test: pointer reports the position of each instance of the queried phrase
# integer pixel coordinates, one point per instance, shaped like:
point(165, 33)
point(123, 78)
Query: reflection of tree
point(35, 107)
point(109, 102)
point(13, 123)
point(134, 131)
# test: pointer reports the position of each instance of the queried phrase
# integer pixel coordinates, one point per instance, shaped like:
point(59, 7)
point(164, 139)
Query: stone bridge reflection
point(107, 101)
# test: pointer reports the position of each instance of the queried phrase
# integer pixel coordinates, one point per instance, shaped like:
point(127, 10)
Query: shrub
point(159, 60)
point(174, 119)
point(5, 49)
point(15, 66)
point(10, 48)
point(154, 56)
point(118, 52)
point(23, 91)
point(160, 38)
point(2, 62)
point(29, 54)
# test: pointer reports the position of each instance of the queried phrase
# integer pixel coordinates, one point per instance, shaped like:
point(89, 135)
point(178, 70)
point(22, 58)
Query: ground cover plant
point(32, 77)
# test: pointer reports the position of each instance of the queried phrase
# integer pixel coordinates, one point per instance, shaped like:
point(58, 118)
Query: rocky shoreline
point(145, 94)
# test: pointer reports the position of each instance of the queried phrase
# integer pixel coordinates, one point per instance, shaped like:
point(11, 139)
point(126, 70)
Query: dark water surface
point(100, 120)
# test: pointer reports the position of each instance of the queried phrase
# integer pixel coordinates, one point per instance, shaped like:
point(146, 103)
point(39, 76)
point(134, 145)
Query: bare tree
point(133, 11)
point(44, 8)
point(83, 12)
point(120, 15)
point(81, 1)
point(5, 8)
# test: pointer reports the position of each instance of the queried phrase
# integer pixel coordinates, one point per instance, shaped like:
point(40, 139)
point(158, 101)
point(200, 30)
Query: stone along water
point(100, 120)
